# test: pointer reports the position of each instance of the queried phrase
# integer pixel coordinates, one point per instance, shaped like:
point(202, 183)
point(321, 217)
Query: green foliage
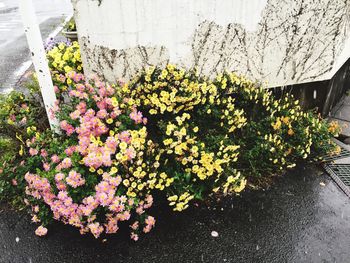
point(71, 26)
point(18, 112)
point(168, 132)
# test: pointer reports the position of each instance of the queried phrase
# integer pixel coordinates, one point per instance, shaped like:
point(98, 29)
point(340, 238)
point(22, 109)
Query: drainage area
point(338, 167)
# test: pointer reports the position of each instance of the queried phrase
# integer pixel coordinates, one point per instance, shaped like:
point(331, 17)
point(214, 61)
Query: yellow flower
point(109, 121)
point(285, 120)
point(172, 198)
point(9, 121)
point(114, 102)
point(61, 46)
point(68, 69)
point(276, 125)
point(168, 141)
point(241, 186)
point(290, 132)
point(152, 111)
point(113, 170)
point(126, 182)
point(21, 151)
point(123, 145)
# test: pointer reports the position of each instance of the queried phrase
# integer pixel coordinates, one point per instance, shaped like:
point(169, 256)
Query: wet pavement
point(14, 52)
point(303, 217)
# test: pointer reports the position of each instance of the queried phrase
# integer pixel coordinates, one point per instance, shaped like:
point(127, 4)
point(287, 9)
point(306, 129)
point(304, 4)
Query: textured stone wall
point(281, 42)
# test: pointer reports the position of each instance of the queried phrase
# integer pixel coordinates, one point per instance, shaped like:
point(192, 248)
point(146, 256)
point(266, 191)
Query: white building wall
point(281, 42)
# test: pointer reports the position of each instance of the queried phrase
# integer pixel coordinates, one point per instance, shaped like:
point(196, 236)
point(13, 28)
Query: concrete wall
point(281, 42)
point(320, 95)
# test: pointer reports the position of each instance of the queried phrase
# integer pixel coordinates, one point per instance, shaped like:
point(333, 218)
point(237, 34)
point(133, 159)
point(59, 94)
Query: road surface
point(14, 52)
point(302, 217)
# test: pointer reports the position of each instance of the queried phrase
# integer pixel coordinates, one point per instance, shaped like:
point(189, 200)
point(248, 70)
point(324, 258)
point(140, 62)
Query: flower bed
point(168, 133)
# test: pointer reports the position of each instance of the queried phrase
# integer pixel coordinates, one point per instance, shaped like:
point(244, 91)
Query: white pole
point(37, 50)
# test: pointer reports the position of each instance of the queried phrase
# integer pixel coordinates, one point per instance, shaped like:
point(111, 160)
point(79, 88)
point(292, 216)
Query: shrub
point(167, 133)
point(18, 113)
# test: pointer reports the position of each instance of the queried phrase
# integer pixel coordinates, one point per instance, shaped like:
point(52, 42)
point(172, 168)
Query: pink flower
point(36, 209)
point(33, 151)
point(135, 225)
point(74, 115)
point(62, 195)
point(59, 177)
point(102, 104)
point(62, 78)
point(56, 89)
point(69, 129)
point(139, 210)
point(114, 181)
point(124, 216)
point(130, 153)
point(111, 143)
point(105, 198)
point(136, 116)
point(81, 107)
point(117, 205)
point(70, 150)
point(46, 166)
point(112, 226)
point(23, 121)
point(35, 219)
point(80, 87)
point(66, 163)
point(55, 158)
point(149, 202)
point(74, 179)
point(134, 236)
point(125, 137)
point(14, 182)
point(115, 113)
point(95, 229)
point(102, 114)
point(61, 186)
point(150, 222)
point(41, 231)
point(24, 106)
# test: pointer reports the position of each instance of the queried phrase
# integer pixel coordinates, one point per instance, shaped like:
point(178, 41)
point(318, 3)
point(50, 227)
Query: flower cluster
point(65, 62)
point(103, 172)
point(167, 131)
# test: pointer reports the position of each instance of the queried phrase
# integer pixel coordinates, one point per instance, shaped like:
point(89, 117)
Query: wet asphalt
point(14, 51)
point(298, 219)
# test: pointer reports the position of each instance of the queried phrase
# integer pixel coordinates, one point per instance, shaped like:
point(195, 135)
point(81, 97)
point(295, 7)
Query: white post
point(38, 54)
